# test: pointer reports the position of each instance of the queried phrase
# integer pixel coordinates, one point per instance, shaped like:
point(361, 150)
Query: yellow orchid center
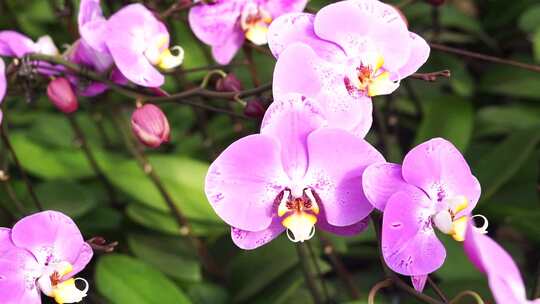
point(160, 55)
point(254, 22)
point(447, 220)
point(51, 283)
point(369, 78)
point(299, 215)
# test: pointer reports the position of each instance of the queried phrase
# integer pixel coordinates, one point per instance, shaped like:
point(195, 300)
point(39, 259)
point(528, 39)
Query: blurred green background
point(491, 112)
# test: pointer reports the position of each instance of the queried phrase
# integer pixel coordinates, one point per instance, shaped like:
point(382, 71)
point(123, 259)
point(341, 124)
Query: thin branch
point(251, 66)
point(303, 257)
point(318, 270)
point(398, 282)
point(99, 244)
point(181, 220)
point(19, 166)
point(466, 293)
point(340, 268)
point(437, 290)
point(176, 7)
point(375, 289)
point(433, 76)
point(448, 49)
point(91, 159)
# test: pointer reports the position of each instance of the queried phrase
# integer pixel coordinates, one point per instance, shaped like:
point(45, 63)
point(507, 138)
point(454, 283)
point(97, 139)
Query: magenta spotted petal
point(503, 274)
point(225, 24)
point(409, 244)
point(323, 82)
point(18, 271)
point(380, 181)
point(337, 160)
point(92, 25)
point(438, 168)
point(3, 82)
point(253, 239)
point(295, 175)
point(51, 237)
point(131, 32)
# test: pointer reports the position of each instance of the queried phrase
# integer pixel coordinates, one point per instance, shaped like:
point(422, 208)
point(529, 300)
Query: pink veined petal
point(92, 25)
point(300, 70)
point(419, 282)
point(213, 24)
point(243, 183)
point(279, 7)
point(129, 32)
point(49, 236)
point(503, 274)
point(3, 82)
point(290, 119)
point(224, 53)
point(18, 271)
point(298, 27)
point(337, 160)
point(355, 25)
point(351, 230)
point(15, 44)
point(85, 255)
point(380, 181)
point(437, 167)
point(409, 244)
point(5, 240)
point(249, 240)
point(419, 54)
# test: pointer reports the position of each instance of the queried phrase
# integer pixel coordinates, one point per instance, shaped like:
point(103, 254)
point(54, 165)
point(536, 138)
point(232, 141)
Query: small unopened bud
point(435, 2)
point(150, 125)
point(229, 83)
point(254, 108)
point(62, 96)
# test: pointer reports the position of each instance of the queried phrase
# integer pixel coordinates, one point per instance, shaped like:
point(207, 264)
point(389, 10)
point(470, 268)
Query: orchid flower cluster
point(41, 254)
point(309, 168)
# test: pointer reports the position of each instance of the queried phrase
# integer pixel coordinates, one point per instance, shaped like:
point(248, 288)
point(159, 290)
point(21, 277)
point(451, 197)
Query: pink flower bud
point(150, 125)
point(254, 108)
point(229, 83)
point(62, 96)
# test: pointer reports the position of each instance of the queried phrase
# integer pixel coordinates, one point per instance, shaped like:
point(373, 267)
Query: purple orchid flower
point(346, 53)
point(3, 85)
point(41, 254)
point(139, 42)
point(434, 188)
point(225, 24)
point(503, 274)
point(295, 175)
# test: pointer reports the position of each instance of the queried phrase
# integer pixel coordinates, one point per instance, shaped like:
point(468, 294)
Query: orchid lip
point(254, 21)
point(300, 214)
point(369, 77)
point(52, 283)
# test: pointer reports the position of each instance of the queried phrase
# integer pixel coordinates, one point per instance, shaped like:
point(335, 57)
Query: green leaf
point(123, 279)
point(502, 119)
point(68, 197)
point(168, 255)
point(50, 163)
point(536, 45)
point(270, 262)
point(447, 116)
point(182, 177)
point(507, 80)
point(164, 222)
point(529, 21)
point(207, 293)
point(504, 160)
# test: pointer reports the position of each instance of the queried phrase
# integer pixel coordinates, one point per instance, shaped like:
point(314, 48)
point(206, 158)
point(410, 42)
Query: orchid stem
point(318, 270)
point(19, 166)
point(437, 290)
point(375, 289)
point(398, 282)
point(91, 159)
point(181, 220)
point(448, 49)
point(251, 66)
point(340, 268)
point(303, 256)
